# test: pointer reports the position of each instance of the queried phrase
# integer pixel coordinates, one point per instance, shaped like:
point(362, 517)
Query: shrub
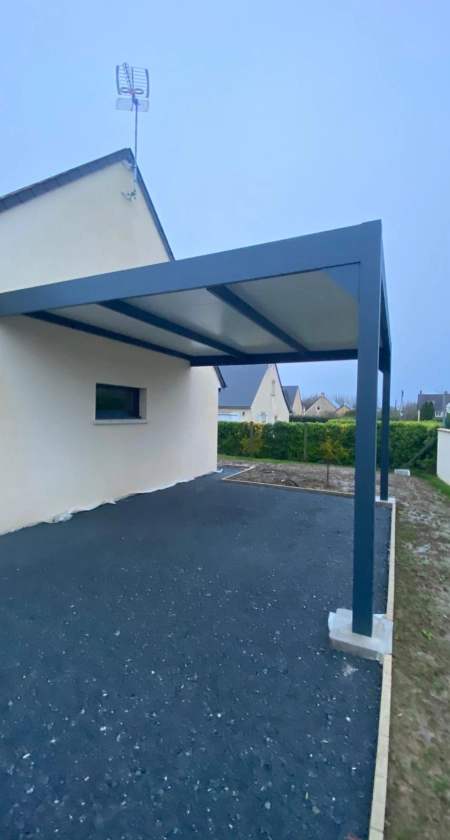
point(427, 411)
point(285, 442)
point(301, 418)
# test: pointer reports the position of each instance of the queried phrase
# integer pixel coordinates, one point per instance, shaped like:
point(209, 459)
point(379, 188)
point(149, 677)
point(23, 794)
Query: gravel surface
point(165, 670)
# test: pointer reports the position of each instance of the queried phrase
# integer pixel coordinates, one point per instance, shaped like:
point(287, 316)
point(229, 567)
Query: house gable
point(321, 407)
point(293, 399)
point(79, 224)
point(269, 399)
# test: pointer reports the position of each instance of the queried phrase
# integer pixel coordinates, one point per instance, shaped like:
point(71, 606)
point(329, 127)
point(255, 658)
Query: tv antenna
point(133, 89)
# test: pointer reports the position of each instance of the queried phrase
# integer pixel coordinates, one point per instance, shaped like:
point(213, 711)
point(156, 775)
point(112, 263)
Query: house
point(253, 393)
point(319, 406)
point(342, 410)
point(92, 413)
point(437, 400)
point(293, 399)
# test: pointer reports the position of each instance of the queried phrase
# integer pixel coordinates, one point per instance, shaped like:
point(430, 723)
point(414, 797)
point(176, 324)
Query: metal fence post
point(366, 435)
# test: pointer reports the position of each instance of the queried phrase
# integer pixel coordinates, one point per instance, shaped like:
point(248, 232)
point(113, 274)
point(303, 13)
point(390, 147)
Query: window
point(273, 388)
point(116, 402)
point(318, 408)
point(263, 417)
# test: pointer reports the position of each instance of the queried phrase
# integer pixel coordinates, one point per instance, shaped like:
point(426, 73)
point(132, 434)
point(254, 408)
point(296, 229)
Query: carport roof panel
point(291, 300)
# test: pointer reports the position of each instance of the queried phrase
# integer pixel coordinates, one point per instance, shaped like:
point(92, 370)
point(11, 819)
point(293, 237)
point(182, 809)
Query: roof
point(297, 300)
point(290, 392)
point(243, 382)
point(307, 402)
point(13, 199)
point(310, 401)
point(434, 398)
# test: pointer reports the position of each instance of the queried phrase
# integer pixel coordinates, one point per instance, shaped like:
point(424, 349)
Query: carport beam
point(385, 417)
point(366, 440)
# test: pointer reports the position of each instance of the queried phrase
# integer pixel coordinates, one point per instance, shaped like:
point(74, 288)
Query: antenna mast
point(133, 89)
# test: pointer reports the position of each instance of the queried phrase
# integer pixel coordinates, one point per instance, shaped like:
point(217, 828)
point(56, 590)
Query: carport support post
point(385, 418)
point(366, 438)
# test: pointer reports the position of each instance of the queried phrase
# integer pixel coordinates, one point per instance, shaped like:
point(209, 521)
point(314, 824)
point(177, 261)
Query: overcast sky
point(268, 119)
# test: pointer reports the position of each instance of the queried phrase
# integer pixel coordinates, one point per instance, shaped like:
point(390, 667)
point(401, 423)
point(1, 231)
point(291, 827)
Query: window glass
point(116, 402)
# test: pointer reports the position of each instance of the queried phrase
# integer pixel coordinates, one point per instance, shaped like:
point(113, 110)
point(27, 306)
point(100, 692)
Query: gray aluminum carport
point(320, 297)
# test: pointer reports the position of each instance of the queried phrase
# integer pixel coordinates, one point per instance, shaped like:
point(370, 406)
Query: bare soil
point(419, 769)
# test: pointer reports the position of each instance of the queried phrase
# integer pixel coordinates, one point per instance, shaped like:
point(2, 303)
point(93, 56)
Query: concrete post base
point(369, 647)
point(390, 501)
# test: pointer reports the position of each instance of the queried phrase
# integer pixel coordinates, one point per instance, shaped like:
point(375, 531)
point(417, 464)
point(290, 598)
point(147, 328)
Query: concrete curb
point(378, 812)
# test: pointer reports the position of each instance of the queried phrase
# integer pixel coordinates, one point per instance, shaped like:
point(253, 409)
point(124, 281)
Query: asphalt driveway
point(165, 670)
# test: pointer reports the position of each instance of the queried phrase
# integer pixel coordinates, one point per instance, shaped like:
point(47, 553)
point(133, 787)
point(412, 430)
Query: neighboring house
point(90, 416)
point(437, 400)
point(343, 409)
point(319, 406)
point(293, 399)
point(253, 393)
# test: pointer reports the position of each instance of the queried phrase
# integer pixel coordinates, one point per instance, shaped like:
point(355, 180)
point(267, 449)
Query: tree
point(427, 411)
point(410, 411)
point(331, 452)
point(345, 399)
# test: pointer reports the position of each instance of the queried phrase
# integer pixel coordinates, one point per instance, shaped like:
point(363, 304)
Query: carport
point(320, 297)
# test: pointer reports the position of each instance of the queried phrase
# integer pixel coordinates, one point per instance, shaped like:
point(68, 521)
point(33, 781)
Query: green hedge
point(286, 442)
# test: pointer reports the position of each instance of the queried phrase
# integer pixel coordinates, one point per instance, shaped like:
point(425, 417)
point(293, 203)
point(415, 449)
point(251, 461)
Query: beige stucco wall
point(342, 410)
point(443, 455)
point(54, 458)
point(298, 405)
point(83, 228)
point(265, 401)
point(273, 404)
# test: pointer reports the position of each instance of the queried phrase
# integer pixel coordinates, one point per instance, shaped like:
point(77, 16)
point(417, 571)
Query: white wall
point(54, 458)
point(270, 398)
point(443, 455)
point(83, 228)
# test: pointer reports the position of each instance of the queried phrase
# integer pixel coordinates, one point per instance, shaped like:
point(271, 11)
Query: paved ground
point(165, 670)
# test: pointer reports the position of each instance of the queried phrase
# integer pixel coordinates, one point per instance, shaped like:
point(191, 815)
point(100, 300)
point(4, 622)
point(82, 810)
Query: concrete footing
point(369, 647)
point(385, 502)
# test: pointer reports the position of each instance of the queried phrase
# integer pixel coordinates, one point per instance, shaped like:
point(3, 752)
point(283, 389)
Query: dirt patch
point(419, 769)
point(305, 476)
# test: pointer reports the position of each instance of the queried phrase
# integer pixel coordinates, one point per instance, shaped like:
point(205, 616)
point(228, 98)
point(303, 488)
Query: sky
point(268, 119)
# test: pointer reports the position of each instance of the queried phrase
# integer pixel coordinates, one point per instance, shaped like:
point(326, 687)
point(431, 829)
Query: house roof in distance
point(25, 194)
point(309, 401)
point(243, 382)
point(434, 398)
point(290, 392)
